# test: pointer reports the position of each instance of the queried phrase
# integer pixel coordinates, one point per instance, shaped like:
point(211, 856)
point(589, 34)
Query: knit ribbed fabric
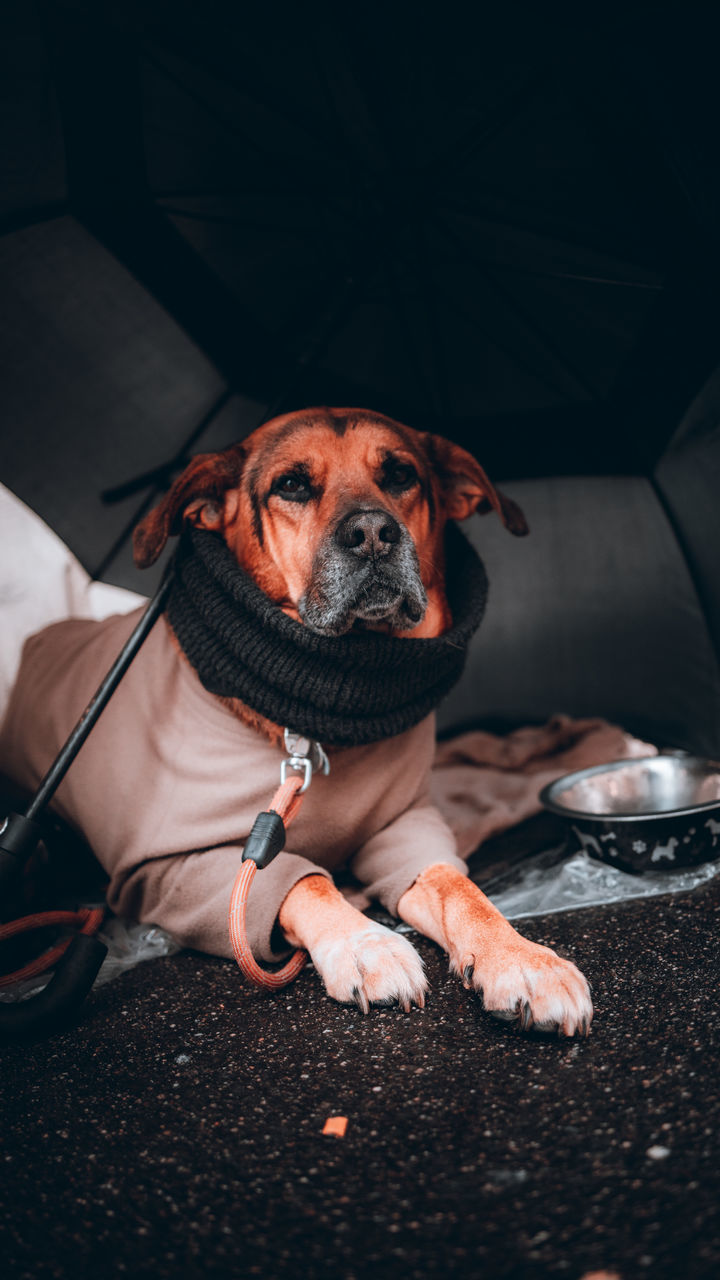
point(346, 690)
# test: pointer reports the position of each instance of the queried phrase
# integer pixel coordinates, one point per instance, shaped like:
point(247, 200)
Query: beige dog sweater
point(169, 783)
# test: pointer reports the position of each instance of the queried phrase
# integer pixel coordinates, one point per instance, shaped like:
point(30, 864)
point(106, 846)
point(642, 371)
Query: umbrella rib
point(157, 480)
point(314, 227)
point(110, 197)
point(510, 105)
point(635, 138)
point(159, 474)
point(437, 369)
point(325, 331)
point(328, 201)
point(347, 102)
point(550, 230)
point(222, 219)
point(230, 129)
point(547, 274)
point(408, 321)
point(527, 321)
point(470, 317)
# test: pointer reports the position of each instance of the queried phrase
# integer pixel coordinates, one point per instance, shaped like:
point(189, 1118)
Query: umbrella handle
point(61, 998)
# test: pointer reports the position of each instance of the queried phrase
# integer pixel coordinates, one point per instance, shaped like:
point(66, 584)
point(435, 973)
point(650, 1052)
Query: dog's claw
point(504, 1015)
point(361, 999)
point(527, 984)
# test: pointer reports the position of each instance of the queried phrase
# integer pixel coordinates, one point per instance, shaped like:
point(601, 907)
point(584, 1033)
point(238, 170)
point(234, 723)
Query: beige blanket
point(484, 784)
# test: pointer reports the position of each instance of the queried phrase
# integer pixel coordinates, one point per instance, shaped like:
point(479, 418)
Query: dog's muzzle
point(366, 572)
point(342, 690)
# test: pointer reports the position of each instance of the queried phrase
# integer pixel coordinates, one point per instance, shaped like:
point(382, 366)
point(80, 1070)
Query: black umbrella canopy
point(506, 232)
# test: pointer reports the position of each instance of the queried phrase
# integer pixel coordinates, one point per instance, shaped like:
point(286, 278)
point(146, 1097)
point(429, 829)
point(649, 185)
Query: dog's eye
point(293, 485)
point(398, 476)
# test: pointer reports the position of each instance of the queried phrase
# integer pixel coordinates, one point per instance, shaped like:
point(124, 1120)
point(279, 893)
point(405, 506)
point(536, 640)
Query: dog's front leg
point(517, 979)
point(358, 960)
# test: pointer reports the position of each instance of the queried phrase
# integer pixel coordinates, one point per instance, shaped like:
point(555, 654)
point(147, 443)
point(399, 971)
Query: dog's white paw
point(525, 982)
point(371, 965)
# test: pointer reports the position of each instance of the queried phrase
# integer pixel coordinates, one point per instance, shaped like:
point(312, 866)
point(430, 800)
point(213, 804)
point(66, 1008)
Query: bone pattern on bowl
point(659, 813)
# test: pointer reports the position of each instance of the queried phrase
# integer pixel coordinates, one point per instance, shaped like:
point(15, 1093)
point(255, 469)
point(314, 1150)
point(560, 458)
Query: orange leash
point(285, 804)
point(86, 919)
point(270, 839)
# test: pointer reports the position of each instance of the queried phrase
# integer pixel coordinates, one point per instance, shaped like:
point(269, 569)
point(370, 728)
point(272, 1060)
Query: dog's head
point(337, 514)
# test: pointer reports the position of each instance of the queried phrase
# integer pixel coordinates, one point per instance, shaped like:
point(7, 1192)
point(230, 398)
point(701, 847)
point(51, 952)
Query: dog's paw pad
point(372, 966)
point(529, 985)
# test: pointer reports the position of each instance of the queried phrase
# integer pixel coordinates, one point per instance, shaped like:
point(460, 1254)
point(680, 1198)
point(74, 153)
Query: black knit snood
point(346, 690)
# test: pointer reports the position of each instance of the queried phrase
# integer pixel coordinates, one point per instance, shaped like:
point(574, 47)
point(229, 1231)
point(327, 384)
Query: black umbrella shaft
point(99, 701)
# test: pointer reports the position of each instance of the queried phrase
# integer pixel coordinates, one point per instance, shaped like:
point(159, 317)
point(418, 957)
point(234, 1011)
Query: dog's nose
point(368, 533)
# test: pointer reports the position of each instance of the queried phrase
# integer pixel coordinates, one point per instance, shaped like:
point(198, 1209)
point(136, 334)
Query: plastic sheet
point(549, 882)
point(129, 943)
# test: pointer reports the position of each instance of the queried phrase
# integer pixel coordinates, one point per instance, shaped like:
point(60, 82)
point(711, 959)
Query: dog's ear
point(466, 488)
point(198, 495)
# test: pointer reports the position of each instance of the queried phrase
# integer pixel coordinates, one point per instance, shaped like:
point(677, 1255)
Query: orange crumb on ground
point(336, 1125)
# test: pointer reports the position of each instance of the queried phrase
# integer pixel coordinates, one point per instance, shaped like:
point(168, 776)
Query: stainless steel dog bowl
point(650, 814)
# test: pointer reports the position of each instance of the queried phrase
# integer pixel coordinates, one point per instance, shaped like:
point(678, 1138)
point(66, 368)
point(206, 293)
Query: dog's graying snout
point(365, 573)
point(368, 532)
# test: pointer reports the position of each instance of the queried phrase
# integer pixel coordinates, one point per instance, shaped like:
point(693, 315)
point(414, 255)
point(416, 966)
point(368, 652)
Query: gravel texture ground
point(177, 1131)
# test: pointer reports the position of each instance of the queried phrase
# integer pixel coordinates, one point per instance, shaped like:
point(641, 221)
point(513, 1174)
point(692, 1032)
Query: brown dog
point(339, 515)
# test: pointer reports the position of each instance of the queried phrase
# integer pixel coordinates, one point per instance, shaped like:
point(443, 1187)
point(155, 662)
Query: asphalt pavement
point(177, 1130)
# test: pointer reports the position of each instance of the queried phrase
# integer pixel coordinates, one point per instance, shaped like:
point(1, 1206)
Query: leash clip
point(305, 756)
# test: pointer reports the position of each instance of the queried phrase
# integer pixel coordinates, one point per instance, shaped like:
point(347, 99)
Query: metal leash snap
point(302, 765)
point(305, 755)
